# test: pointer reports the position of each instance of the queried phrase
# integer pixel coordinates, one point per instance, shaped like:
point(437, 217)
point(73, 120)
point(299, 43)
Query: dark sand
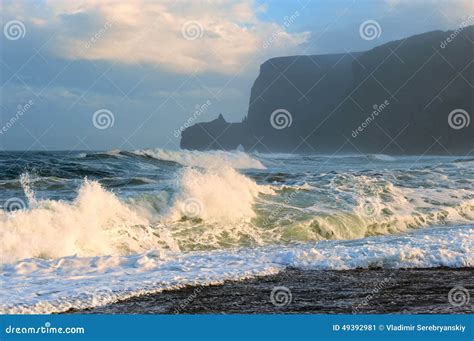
point(376, 291)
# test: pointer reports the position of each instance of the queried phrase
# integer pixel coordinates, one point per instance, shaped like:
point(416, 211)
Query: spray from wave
point(208, 204)
point(236, 159)
point(95, 223)
point(374, 206)
point(206, 217)
point(98, 222)
point(112, 278)
point(220, 194)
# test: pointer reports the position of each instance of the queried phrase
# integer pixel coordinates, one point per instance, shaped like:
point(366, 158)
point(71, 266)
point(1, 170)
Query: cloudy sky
point(112, 74)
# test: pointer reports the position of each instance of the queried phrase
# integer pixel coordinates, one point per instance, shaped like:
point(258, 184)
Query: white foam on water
point(55, 285)
point(217, 158)
point(426, 248)
point(381, 157)
point(220, 194)
point(45, 286)
point(218, 207)
point(95, 223)
point(99, 247)
point(378, 207)
point(98, 222)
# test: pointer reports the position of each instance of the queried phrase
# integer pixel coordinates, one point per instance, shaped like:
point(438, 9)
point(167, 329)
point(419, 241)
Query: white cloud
point(151, 32)
point(453, 11)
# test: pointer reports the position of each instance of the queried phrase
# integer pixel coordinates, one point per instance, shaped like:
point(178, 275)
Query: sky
point(113, 74)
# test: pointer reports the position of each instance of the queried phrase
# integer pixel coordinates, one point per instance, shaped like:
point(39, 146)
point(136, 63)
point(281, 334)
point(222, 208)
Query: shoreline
point(359, 291)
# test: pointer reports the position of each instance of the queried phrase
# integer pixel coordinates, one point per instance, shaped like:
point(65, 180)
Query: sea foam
point(56, 285)
point(98, 222)
point(217, 158)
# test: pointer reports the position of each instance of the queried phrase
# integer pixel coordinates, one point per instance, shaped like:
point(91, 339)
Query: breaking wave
point(235, 159)
point(208, 204)
point(151, 220)
point(98, 222)
point(112, 278)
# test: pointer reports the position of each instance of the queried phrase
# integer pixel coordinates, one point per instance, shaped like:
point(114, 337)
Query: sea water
point(83, 229)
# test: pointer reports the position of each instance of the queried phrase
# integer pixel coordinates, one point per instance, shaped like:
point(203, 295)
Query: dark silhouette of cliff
point(394, 99)
point(217, 134)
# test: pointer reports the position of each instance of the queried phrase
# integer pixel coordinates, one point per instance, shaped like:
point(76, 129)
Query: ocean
point(86, 229)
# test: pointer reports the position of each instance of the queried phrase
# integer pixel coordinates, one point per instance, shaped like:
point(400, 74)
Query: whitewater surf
point(88, 229)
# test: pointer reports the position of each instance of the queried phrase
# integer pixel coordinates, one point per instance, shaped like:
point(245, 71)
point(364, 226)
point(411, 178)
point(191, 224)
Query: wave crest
point(95, 223)
point(235, 159)
point(222, 193)
point(98, 222)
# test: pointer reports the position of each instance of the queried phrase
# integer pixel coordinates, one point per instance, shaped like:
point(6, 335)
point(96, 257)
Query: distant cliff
point(217, 134)
point(410, 96)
